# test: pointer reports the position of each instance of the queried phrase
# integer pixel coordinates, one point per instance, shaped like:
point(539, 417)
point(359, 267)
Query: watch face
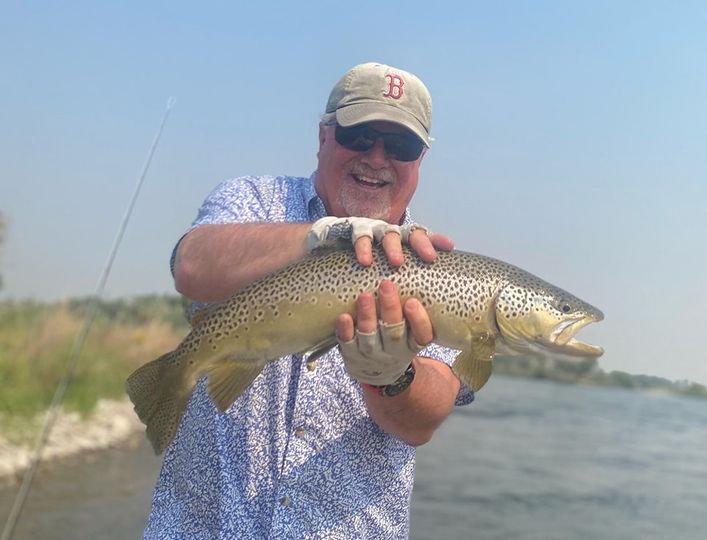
point(401, 384)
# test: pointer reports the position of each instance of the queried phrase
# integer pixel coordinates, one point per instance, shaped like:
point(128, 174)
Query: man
point(319, 449)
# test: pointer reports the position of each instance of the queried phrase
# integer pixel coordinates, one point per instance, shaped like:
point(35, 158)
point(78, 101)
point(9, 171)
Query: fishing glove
point(381, 357)
point(329, 229)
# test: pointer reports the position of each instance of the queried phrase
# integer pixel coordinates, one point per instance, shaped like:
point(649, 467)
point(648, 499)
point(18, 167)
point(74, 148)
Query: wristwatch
point(395, 388)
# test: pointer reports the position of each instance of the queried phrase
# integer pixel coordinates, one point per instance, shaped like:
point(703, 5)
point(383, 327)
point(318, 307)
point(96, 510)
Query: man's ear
point(322, 137)
point(322, 134)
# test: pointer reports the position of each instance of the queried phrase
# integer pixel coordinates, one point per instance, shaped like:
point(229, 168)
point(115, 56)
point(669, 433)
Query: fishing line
point(79, 342)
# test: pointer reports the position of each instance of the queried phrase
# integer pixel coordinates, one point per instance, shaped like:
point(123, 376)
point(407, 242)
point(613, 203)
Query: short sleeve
point(238, 200)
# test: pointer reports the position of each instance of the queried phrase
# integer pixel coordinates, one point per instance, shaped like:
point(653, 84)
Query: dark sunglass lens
point(361, 138)
point(356, 138)
point(403, 147)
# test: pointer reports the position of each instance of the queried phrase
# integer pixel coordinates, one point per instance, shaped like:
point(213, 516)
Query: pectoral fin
point(474, 366)
point(228, 378)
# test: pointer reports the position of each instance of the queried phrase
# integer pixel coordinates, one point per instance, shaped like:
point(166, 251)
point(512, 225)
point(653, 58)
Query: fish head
point(536, 317)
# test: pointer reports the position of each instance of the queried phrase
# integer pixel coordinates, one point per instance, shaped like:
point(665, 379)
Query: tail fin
point(159, 391)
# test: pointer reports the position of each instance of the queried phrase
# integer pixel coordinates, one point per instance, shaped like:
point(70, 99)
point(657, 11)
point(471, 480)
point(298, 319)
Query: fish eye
point(564, 305)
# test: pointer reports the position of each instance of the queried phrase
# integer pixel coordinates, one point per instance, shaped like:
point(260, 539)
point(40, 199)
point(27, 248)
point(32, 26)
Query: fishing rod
point(43, 437)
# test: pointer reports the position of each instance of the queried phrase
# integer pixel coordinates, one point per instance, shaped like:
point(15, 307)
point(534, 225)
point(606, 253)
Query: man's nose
point(376, 156)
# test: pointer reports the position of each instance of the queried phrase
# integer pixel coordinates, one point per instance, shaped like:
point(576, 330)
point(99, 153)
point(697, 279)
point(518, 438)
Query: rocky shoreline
point(112, 423)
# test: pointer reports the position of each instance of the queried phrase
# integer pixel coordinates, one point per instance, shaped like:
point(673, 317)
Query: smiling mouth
point(368, 181)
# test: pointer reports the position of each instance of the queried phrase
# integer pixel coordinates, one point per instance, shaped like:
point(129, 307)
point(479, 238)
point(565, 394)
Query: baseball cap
point(373, 91)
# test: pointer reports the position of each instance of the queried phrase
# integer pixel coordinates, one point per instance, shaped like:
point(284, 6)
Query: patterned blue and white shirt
point(297, 455)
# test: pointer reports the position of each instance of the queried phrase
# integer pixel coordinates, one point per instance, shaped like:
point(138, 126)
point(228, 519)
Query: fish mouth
point(562, 338)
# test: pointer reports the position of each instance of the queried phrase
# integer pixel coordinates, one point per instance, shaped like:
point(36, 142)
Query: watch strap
point(396, 387)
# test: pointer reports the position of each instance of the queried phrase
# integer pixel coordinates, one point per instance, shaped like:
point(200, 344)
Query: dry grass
point(36, 341)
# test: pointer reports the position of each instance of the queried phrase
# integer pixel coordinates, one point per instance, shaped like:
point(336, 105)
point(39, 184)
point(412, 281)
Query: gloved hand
point(380, 357)
point(330, 228)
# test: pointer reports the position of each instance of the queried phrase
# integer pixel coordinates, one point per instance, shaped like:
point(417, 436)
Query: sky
point(570, 140)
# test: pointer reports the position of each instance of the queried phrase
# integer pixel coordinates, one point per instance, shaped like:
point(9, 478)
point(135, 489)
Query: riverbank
point(112, 423)
point(528, 459)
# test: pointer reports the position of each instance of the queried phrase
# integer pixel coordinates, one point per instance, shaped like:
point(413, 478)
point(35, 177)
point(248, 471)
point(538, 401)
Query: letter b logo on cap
point(395, 86)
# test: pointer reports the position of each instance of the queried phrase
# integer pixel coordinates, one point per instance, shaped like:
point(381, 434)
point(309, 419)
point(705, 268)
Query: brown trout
point(479, 305)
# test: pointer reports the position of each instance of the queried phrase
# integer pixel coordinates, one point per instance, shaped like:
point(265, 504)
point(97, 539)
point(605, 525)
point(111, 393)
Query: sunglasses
point(361, 138)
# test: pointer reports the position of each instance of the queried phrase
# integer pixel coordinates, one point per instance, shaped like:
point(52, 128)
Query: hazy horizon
point(569, 140)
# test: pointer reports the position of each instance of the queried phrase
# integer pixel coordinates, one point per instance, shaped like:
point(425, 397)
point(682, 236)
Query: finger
point(393, 248)
point(366, 313)
point(426, 246)
point(442, 242)
point(421, 244)
point(345, 327)
point(363, 250)
point(391, 310)
point(419, 321)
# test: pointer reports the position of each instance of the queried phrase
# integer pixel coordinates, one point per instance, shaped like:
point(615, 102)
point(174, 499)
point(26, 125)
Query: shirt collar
point(314, 203)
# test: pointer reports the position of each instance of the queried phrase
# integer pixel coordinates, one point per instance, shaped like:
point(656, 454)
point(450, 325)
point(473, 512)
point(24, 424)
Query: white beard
point(370, 205)
point(359, 202)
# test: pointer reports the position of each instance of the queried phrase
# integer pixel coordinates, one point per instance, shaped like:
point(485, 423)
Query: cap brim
point(358, 113)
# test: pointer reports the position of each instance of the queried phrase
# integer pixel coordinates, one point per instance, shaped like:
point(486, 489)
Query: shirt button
point(311, 364)
point(300, 432)
point(285, 501)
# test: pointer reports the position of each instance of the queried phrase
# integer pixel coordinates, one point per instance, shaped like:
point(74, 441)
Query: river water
point(529, 460)
point(536, 460)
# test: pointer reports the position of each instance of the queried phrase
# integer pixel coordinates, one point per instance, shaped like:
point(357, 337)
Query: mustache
point(361, 169)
